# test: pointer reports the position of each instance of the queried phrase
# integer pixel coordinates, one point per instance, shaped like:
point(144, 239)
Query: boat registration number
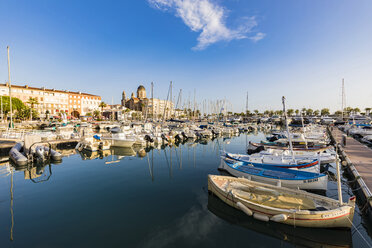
point(334, 214)
point(311, 180)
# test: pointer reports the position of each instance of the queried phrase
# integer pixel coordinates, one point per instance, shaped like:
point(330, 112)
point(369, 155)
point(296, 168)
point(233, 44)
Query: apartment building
point(54, 101)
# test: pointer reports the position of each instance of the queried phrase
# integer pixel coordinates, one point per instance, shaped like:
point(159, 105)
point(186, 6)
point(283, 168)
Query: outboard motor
point(273, 138)
point(198, 135)
point(178, 138)
point(164, 137)
point(148, 138)
point(184, 135)
point(255, 150)
point(100, 146)
point(39, 152)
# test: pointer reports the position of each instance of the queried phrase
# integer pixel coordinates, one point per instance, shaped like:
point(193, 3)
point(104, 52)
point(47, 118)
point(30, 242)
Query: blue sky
point(297, 48)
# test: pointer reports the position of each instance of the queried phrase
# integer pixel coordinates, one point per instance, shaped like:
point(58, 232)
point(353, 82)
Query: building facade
point(152, 107)
point(54, 101)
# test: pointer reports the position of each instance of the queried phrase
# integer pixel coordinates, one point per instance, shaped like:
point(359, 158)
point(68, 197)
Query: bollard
point(343, 141)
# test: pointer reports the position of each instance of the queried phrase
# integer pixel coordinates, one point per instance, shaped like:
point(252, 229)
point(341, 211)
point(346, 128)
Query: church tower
point(141, 92)
point(123, 99)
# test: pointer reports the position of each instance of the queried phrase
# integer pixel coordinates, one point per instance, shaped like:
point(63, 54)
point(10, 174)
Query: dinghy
point(41, 153)
point(275, 175)
point(288, 206)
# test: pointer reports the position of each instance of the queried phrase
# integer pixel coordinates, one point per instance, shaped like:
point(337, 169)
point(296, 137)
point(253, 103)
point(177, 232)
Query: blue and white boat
point(270, 161)
point(275, 176)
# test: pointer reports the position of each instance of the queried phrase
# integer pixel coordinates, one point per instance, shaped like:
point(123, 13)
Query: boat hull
point(319, 183)
point(340, 217)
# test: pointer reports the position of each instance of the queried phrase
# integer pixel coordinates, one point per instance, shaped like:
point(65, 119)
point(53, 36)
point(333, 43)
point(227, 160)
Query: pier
point(357, 158)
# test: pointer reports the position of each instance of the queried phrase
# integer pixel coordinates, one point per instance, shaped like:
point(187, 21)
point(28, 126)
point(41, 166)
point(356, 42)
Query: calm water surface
point(158, 200)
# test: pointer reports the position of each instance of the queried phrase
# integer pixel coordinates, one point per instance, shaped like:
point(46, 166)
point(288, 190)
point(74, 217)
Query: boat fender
point(279, 218)
point(244, 208)
point(148, 138)
point(261, 217)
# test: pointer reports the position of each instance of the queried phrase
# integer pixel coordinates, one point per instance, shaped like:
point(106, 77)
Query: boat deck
point(359, 158)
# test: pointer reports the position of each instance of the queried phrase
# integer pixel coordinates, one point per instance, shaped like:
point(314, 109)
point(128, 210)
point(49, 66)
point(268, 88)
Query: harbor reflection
point(298, 236)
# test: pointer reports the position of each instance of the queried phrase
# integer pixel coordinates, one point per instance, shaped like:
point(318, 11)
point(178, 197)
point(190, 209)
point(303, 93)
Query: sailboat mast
point(303, 129)
point(338, 179)
point(286, 125)
point(10, 91)
point(152, 99)
point(246, 106)
point(342, 100)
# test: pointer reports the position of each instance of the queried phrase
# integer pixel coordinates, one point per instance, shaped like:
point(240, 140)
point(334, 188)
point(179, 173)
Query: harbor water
point(147, 198)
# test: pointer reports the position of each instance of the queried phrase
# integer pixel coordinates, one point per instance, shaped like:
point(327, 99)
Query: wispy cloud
point(208, 18)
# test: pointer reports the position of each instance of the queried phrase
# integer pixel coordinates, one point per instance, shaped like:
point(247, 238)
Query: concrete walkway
point(359, 154)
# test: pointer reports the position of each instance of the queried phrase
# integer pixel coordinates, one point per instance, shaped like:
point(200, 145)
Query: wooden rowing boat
point(288, 206)
point(279, 233)
point(270, 161)
point(274, 175)
point(310, 149)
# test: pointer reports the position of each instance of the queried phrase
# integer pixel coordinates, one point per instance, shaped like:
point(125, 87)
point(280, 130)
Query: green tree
point(356, 110)
point(348, 110)
point(32, 102)
point(338, 113)
point(309, 112)
point(316, 112)
point(297, 112)
point(96, 113)
point(102, 105)
point(290, 112)
point(303, 111)
point(325, 111)
point(256, 111)
point(17, 104)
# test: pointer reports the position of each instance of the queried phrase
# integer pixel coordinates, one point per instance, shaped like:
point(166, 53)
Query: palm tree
point(303, 111)
point(96, 113)
point(324, 111)
point(32, 101)
point(297, 111)
point(309, 111)
point(256, 111)
point(102, 105)
point(290, 112)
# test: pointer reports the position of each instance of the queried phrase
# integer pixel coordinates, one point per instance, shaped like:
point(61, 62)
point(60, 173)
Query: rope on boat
point(354, 180)
point(368, 244)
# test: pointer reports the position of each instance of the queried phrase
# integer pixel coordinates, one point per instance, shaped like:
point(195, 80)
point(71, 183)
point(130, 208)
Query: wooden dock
point(358, 160)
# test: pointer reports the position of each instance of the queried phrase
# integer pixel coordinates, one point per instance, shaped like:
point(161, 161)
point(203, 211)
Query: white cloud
point(208, 18)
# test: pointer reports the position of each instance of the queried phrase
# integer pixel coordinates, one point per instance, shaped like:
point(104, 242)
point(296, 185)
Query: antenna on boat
point(286, 125)
point(343, 99)
point(338, 178)
point(303, 130)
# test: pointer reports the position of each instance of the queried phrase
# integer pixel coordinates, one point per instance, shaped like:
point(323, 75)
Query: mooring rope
point(369, 245)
